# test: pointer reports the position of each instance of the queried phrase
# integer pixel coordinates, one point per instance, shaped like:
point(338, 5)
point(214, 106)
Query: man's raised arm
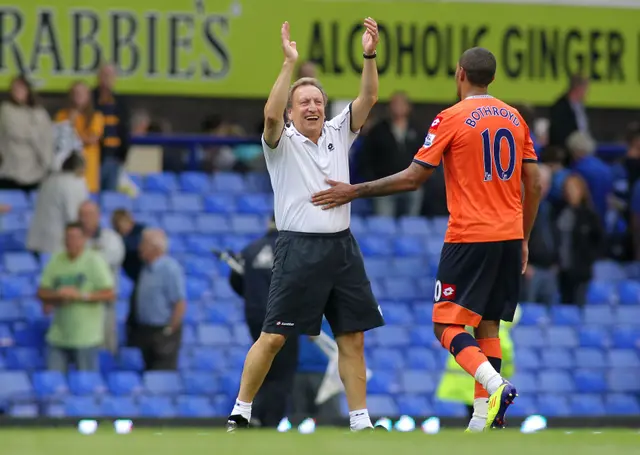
point(277, 102)
point(368, 95)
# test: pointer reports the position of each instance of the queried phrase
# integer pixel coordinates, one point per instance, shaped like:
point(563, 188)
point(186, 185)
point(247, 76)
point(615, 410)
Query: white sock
point(479, 418)
point(359, 420)
point(488, 377)
point(243, 409)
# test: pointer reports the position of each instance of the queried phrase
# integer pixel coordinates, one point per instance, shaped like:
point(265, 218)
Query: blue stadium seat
point(358, 226)
point(414, 405)
point(86, 383)
point(189, 337)
point(219, 204)
point(229, 182)
point(222, 290)
point(236, 357)
point(241, 336)
point(235, 242)
point(15, 386)
point(153, 203)
point(194, 182)
point(212, 224)
point(565, 315)
point(6, 335)
point(162, 382)
point(562, 337)
point(30, 334)
point(24, 411)
point(185, 202)
point(554, 406)
point(609, 271)
point(381, 406)
point(557, 357)
point(230, 383)
point(401, 288)
point(381, 225)
point(623, 358)
point(439, 225)
point(377, 287)
point(200, 383)
point(258, 182)
point(625, 337)
point(413, 225)
point(593, 337)
point(197, 289)
point(119, 407)
point(390, 336)
point(161, 407)
point(15, 287)
point(421, 335)
point(248, 224)
point(214, 335)
point(55, 410)
point(529, 337)
point(194, 406)
point(208, 359)
point(106, 361)
point(164, 182)
point(397, 313)
point(526, 359)
point(387, 358)
point(178, 224)
point(422, 312)
point(628, 315)
point(14, 222)
point(417, 381)
point(384, 382)
point(376, 267)
point(590, 381)
point(81, 407)
point(533, 314)
point(16, 199)
point(20, 263)
point(49, 384)
point(24, 359)
point(112, 200)
point(409, 246)
point(130, 359)
point(409, 267)
point(525, 382)
point(201, 247)
point(587, 405)
point(601, 293)
point(629, 292)
point(556, 381)
point(589, 358)
point(420, 358)
point(524, 406)
point(449, 409)
point(193, 314)
point(148, 219)
point(124, 383)
point(598, 315)
point(256, 204)
point(618, 404)
point(372, 245)
point(224, 312)
point(623, 380)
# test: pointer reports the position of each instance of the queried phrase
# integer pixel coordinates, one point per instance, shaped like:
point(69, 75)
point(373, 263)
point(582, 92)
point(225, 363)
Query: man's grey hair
point(581, 144)
point(157, 238)
point(301, 83)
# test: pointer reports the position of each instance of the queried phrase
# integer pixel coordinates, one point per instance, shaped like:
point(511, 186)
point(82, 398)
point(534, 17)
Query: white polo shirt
point(298, 168)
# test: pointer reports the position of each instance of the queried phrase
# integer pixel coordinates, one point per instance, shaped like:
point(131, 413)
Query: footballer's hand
point(288, 47)
point(339, 194)
point(525, 255)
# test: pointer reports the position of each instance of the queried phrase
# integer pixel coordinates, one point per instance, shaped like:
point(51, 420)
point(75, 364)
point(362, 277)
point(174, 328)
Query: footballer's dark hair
point(480, 66)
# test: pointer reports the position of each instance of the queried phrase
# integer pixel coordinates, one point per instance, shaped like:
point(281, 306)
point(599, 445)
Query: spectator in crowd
point(57, 205)
point(87, 126)
point(307, 69)
point(26, 139)
point(596, 173)
point(389, 148)
point(555, 158)
point(160, 304)
point(635, 220)
point(131, 232)
point(75, 286)
point(541, 276)
point(110, 246)
point(568, 114)
point(114, 142)
point(580, 241)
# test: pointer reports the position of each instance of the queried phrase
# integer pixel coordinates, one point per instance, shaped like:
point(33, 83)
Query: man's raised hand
point(289, 47)
point(370, 38)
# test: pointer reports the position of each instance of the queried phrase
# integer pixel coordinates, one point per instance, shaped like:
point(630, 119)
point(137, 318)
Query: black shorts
point(478, 281)
point(315, 275)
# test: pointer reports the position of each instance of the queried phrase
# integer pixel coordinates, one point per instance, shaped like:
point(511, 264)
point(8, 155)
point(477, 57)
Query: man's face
point(581, 91)
point(307, 110)
point(399, 106)
point(107, 77)
point(89, 217)
point(74, 241)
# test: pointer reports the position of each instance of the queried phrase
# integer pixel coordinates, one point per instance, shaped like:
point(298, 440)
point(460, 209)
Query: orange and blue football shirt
point(483, 143)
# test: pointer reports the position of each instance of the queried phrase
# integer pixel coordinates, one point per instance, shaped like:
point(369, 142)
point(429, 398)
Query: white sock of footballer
point(479, 418)
point(488, 377)
point(359, 420)
point(243, 409)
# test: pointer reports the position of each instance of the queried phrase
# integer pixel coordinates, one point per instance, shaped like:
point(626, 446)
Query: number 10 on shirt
point(492, 153)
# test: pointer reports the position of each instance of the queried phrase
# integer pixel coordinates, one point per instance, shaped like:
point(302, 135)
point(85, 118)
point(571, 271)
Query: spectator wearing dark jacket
point(568, 114)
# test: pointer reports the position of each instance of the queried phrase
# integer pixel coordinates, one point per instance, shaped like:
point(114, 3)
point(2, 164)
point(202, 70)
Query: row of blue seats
point(614, 404)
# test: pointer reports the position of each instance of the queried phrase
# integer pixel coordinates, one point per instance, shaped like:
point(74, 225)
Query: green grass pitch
point(174, 441)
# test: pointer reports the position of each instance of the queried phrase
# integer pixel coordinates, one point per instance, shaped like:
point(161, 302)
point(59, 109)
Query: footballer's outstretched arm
point(368, 95)
point(342, 193)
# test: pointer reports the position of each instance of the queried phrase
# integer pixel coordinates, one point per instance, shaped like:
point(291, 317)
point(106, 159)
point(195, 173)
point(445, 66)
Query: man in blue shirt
point(160, 304)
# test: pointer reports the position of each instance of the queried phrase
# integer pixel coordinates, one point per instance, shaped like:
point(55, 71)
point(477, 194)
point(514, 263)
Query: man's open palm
point(288, 46)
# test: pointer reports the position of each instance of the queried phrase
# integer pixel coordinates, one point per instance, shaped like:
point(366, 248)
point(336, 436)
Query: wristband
point(368, 57)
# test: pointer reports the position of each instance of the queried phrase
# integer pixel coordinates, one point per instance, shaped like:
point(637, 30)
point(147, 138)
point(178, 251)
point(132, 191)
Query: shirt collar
point(302, 138)
point(477, 97)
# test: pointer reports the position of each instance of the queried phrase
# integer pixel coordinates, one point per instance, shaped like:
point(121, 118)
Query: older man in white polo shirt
point(318, 267)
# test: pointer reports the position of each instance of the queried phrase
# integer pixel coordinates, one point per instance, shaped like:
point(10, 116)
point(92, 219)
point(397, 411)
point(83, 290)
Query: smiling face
point(307, 110)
